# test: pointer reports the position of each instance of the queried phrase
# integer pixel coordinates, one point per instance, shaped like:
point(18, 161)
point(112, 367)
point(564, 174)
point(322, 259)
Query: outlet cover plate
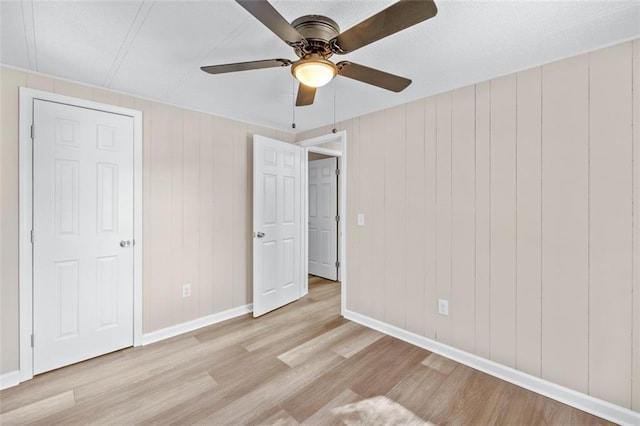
point(186, 290)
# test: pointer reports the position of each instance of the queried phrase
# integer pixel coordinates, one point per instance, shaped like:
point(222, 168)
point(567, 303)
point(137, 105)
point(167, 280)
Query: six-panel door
point(83, 234)
point(277, 254)
point(323, 236)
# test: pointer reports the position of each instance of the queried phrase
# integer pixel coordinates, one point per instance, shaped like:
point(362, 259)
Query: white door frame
point(27, 97)
point(310, 145)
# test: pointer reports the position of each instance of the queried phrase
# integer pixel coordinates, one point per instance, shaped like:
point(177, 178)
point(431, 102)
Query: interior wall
point(516, 199)
point(197, 203)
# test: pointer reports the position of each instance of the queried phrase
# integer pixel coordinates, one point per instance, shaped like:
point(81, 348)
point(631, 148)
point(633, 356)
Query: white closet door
point(323, 224)
point(83, 231)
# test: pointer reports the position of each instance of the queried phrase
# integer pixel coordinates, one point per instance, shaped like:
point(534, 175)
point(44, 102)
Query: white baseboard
point(10, 379)
point(185, 327)
point(559, 393)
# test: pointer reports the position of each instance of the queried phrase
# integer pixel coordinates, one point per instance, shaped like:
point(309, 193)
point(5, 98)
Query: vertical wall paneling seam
point(383, 237)
point(237, 150)
point(541, 210)
point(451, 213)
point(423, 285)
point(588, 222)
point(357, 202)
point(634, 374)
point(435, 215)
point(171, 197)
point(370, 157)
point(490, 213)
point(354, 206)
point(406, 201)
point(384, 230)
point(148, 239)
point(233, 201)
point(475, 210)
point(182, 227)
point(181, 282)
point(196, 205)
point(212, 140)
point(515, 329)
point(406, 210)
point(427, 202)
point(177, 287)
point(633, 206)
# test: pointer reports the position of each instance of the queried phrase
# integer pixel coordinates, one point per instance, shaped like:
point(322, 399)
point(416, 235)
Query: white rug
point(377, 411)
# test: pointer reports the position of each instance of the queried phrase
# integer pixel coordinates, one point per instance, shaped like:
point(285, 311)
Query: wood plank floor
point(302, 364)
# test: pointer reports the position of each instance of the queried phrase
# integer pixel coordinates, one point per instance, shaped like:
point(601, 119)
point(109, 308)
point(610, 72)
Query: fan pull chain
point(293, 103)
point(334, 130)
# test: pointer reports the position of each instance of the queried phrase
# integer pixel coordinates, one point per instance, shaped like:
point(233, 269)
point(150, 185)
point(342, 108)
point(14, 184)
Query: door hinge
point(338, 264)
point(32, 340)
point(338, 218)
point(32, 236)
point(337, 172)
point(32, 132)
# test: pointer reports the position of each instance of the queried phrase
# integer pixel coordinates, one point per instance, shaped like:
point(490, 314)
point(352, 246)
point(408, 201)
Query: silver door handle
point(259, 234)
point(124, 243)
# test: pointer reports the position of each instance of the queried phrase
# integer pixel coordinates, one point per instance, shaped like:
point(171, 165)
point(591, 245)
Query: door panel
point(107, 268)
point(277, 224)
point(323, 227)
point(83, 208)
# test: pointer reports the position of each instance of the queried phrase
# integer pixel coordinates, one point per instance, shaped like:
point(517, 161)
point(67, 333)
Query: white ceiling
point(154, 49)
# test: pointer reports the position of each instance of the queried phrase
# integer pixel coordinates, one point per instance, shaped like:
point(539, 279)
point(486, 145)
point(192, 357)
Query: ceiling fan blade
point(244, 66)
point(271, 18)
point(306, 95)
point(372, 76)
point(397, 17)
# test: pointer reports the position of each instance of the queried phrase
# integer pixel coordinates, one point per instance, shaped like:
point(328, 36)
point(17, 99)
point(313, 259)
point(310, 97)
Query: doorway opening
point(324, 216)
point(324, 176)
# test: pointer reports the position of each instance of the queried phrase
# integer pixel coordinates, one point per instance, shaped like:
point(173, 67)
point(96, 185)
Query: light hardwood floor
point(303, 363)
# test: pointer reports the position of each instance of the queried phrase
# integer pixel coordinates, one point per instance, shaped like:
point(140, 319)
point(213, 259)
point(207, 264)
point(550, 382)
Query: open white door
point(277, 224)
point(323, 218)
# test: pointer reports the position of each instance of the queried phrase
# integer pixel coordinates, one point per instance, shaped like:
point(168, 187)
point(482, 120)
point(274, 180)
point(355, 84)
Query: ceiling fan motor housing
point(317, 30)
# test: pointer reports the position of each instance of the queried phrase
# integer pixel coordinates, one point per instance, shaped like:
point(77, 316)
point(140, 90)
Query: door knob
point(259, 234)
point(124, 243)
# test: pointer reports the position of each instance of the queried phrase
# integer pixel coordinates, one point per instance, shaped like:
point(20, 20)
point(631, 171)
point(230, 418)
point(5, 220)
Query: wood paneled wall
point(197, 203)
point(516, 199)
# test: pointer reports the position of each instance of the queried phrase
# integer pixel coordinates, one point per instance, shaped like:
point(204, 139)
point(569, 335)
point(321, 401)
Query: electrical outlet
point(186, 290)
point(443, 307)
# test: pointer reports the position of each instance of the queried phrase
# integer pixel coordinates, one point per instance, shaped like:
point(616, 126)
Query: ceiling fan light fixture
point(314, 71)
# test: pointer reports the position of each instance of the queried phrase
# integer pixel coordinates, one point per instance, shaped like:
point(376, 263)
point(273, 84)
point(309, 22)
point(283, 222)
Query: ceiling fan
point(315, 38)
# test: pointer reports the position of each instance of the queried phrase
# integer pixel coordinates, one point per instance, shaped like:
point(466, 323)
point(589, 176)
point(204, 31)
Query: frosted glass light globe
point(314, 72)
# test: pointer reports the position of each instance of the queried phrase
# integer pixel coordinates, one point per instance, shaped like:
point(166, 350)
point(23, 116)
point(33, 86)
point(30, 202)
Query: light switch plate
point(443, 307)
point(360, 219)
